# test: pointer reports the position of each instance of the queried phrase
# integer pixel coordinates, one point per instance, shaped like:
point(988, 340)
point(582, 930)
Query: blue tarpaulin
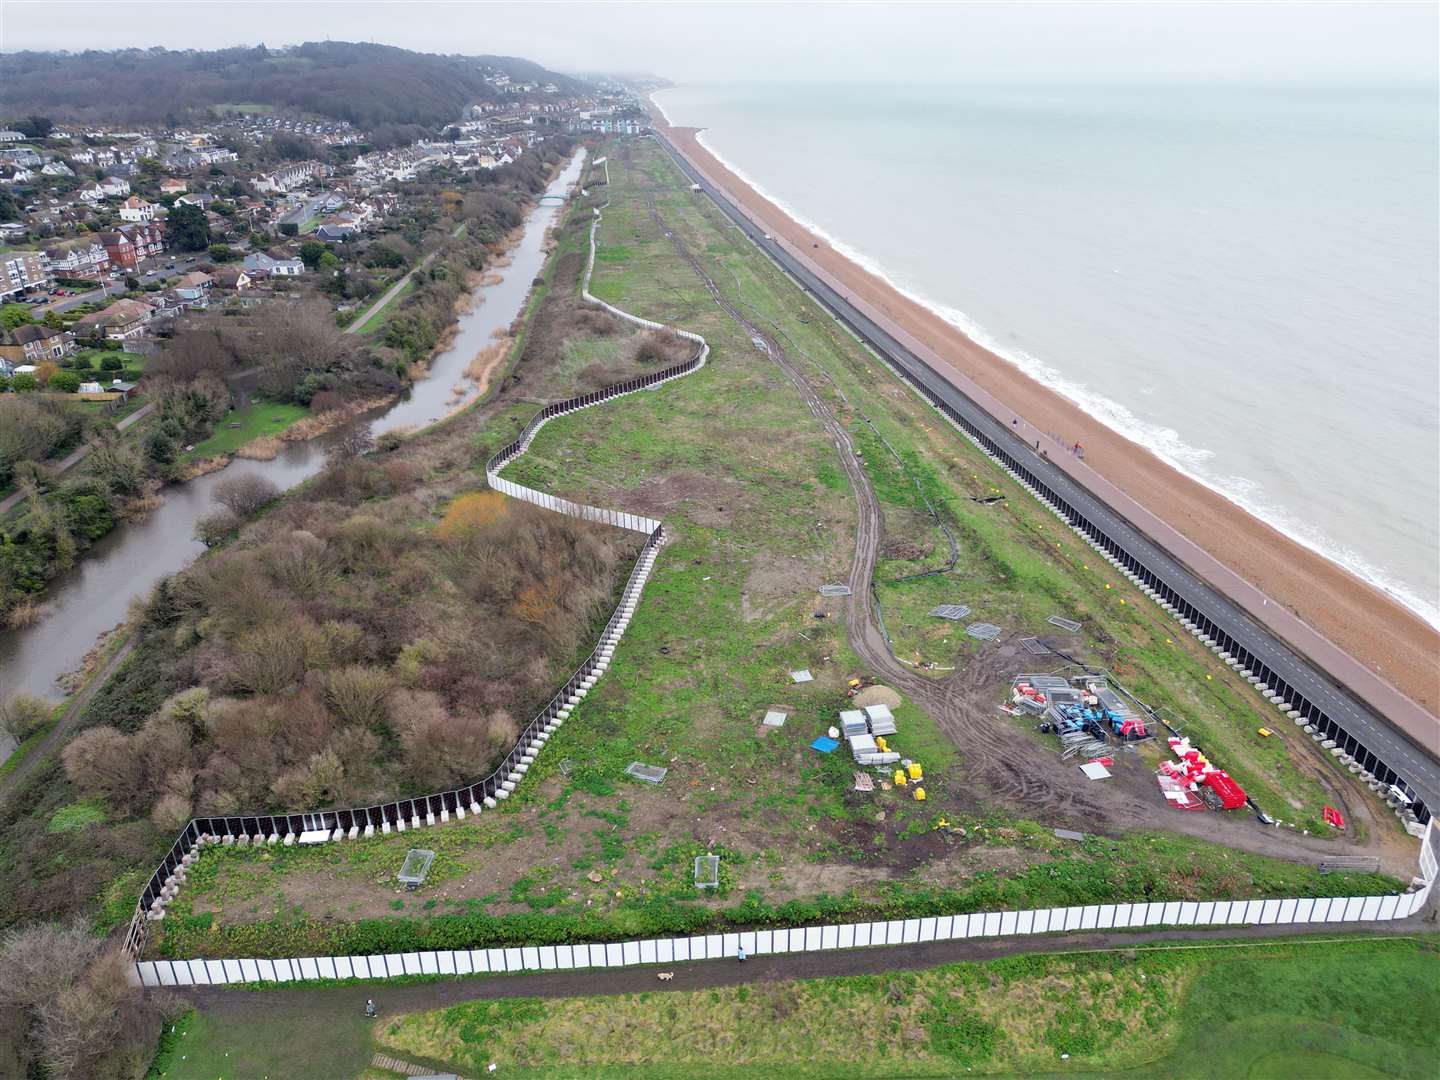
point(824, 744)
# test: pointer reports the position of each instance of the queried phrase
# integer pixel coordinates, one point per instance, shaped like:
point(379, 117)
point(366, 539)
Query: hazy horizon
point(1305, 43)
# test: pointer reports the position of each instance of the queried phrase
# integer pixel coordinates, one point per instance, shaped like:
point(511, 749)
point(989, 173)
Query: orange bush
point(469, 513)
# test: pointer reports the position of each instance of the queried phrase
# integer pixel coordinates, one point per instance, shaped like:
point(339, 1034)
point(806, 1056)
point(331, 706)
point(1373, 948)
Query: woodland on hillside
point(380, 89)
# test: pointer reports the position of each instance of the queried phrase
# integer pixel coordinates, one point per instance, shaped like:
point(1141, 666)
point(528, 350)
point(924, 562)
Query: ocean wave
point(1164, 442)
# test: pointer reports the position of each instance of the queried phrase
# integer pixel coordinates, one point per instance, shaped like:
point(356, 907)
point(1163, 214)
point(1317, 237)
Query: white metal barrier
point(858, 935)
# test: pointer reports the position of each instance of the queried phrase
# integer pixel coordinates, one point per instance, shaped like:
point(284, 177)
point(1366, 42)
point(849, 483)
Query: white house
point(260, 263)
point(137, 209)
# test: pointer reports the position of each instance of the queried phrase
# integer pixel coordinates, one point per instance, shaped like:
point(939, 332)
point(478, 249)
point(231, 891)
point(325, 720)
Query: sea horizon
point(1412, 582)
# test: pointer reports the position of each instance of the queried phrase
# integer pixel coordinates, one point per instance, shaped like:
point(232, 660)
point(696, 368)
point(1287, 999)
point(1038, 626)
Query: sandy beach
point(1376, 646)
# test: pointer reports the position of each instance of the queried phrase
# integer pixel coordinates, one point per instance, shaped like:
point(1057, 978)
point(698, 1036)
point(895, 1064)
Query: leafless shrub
point(269, 658)
point(214, 529)
point(171, 812)
point(300, 563)
point(319, 782)
point(357, 694)
point(37, 962)
point(246, 494)
point(103, 761)
point(661, 347)
point(441, 748)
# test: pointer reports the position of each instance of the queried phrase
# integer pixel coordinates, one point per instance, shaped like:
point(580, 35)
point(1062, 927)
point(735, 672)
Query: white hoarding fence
point(858, 935)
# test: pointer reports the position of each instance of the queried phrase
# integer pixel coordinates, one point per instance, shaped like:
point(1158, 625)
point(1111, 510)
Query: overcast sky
point(716, 42)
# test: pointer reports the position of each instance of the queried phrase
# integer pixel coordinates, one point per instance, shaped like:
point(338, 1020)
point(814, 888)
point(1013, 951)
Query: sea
point(1241, 279)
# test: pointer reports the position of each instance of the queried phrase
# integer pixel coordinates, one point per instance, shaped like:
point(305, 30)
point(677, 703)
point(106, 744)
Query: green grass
point(24, 748)
point(255, 421)
point(762, 516)
point(1296, 1010)
point(377, 320)
point(1017, 565)
point(134, 362)
point(75, 816)
point(291, 1044)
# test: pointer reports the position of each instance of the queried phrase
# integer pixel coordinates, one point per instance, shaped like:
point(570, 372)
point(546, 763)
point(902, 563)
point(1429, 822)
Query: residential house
point(202, 199)
point(259, 263)
point(21, 271)
point(120, 249)
point(7, 368)
point(187, 298)
point(15, 174)
point(112, 187)
point(35, 343)
point(137, 209)
point(8, 136)
point(231, 278)
point(170, 186)
point(195, 279)
point(122, 320)
point(56, 168)
point(80, 257)
point(335, 233)
point(290, 177)
point(22, 155)
point(148, 238)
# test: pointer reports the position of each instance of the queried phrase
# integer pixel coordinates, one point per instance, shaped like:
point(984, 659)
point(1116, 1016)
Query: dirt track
point(1014, 771)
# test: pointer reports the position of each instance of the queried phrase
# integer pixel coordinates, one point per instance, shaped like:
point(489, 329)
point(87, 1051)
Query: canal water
point(95, 596)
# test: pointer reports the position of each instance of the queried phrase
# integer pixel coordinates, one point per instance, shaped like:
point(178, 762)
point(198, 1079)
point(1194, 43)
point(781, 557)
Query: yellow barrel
point(919, 794)
point(915, 771)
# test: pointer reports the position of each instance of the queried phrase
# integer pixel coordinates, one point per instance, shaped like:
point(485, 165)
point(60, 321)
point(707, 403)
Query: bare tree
point(88, 1020)
point(289, 339)
point(246, 494)
point(37, 962)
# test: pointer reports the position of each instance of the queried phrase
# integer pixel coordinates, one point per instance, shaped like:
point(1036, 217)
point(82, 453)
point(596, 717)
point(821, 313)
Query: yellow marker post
point(919, 794)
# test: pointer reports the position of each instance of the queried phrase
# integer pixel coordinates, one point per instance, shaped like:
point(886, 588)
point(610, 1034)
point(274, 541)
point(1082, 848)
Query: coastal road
point(1413, 766)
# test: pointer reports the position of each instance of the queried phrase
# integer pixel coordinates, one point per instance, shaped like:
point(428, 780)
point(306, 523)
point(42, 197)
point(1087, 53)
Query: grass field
point(760, 516)
point(257, 420)
point(1271, 1011)
point(1296, 1010)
